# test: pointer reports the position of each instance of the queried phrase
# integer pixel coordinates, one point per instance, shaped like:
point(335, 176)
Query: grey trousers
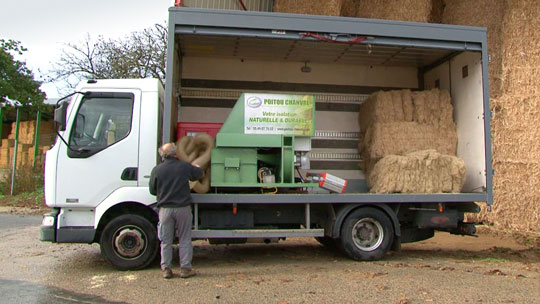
point(177, 220)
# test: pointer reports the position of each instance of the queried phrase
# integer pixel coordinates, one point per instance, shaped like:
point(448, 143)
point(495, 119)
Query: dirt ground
point(445, 269)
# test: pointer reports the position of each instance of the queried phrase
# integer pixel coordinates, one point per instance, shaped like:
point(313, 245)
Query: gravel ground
point(444, 269)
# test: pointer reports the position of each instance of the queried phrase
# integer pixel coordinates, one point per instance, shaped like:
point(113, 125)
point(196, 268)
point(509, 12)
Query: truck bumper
point(47, 230)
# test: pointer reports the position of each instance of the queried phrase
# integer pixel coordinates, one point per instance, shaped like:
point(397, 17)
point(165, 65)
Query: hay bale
point(424, 171)
point(402, 137)
point(400, 122)
point(516, 129)
point(516, 161)
point(516, 122)
point(309, 7)
point(404, 10)
point(486, 13)
point(349, 7)
point(521, 52)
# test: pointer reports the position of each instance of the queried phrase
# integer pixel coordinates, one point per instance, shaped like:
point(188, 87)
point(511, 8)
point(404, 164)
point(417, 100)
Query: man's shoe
point(167, 273)
point(186, 273)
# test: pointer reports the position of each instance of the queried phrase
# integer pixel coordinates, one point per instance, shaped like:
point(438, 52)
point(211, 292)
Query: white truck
point(96, 174)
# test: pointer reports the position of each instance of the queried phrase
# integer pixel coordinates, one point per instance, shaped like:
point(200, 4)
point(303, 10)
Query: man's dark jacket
point(169, 181)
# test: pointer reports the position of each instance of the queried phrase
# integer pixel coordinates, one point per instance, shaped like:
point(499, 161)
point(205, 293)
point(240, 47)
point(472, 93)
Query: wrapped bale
point(310, 7)
point(424, 171)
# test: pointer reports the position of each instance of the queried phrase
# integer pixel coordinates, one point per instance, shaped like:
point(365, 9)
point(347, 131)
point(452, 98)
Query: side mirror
point(60, 116)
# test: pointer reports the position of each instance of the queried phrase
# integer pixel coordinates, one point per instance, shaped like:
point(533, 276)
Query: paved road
point(18, 221)
point(17, 291)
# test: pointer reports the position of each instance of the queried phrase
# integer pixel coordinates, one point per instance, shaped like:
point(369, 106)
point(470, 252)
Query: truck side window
point(102, 120)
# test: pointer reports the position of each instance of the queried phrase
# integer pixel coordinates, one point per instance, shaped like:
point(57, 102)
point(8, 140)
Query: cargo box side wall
point(221, 70)
point(462, 76)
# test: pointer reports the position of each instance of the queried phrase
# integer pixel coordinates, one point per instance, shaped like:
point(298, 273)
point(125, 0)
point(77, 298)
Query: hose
point(197, 150)
point(260, 175)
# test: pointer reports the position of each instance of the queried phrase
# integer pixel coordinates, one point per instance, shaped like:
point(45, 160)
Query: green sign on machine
point(279, 114)
point(260, 133)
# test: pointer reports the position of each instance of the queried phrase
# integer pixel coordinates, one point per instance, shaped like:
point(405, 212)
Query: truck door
point(102, 155)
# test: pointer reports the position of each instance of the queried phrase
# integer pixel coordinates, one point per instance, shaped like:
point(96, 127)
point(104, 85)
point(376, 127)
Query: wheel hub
point(129, 243)
point(367, 234)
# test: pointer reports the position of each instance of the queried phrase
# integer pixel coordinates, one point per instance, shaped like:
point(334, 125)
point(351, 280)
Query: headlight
point(47, 220)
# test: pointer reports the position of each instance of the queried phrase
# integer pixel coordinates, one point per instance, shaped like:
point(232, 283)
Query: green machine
point(263, 140)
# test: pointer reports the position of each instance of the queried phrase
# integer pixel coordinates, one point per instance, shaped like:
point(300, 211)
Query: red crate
point(192, 128)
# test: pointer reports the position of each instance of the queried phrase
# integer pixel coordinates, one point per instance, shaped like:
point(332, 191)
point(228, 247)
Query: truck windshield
point(101, 121)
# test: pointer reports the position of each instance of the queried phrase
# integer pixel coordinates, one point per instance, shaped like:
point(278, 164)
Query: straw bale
point(400, 122)
point(27, 131)
point(486, 13)
point(310, 7)
point(432, 107)
point(349, 7)
point(521, 48)
point(402, 137)
point(516, 129)
point(424, 171)
point(516, 207)
point(404, 10)
point(516, 161)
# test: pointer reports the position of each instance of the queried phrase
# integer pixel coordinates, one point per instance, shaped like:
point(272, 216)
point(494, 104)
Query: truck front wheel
point(367, 234)
point(129, 242)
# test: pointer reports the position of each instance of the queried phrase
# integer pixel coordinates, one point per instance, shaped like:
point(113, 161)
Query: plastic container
point(193, 128)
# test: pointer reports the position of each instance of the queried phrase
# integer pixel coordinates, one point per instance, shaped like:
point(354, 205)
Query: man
point(169, 181)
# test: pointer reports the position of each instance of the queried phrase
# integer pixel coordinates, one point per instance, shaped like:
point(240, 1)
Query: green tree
point(138, 55)
point(17, 82)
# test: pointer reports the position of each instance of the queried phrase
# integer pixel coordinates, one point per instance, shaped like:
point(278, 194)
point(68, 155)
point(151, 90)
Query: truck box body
point(217, 55)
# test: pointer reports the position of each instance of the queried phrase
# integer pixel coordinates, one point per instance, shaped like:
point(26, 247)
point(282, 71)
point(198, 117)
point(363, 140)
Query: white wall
point(281, 71)
point(467, 96)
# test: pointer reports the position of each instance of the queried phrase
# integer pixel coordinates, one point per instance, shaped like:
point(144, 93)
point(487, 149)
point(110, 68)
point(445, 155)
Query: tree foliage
point(17, 82)
point(138, 55)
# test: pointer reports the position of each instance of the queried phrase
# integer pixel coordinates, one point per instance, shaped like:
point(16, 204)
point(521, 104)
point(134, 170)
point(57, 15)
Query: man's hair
point(168, 150)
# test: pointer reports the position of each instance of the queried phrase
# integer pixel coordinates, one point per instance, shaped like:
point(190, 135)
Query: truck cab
point(101, 162)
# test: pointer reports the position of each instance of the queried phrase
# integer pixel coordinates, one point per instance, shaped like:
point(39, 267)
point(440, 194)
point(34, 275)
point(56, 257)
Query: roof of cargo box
point(292, 37)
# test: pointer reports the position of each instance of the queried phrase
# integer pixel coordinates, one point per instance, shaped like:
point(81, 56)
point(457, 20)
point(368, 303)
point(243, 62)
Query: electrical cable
point(354, 40)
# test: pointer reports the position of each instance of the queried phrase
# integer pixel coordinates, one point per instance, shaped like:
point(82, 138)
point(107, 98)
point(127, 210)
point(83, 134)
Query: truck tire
point(129, 242)
point(327, 241)
point(366, 234)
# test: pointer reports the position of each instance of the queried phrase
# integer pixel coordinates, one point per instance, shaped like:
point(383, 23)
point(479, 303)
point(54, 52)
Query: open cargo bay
point(217, 55)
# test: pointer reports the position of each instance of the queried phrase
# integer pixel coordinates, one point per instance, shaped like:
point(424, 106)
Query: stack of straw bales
point(516, 123)
point(486, 13)
point(25, 148)
point(310, 7)
point(400, 122)
point(514, 46)
point(424, 171)
point(403, 10)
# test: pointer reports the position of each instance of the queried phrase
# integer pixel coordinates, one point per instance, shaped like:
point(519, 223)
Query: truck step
point(248, 233)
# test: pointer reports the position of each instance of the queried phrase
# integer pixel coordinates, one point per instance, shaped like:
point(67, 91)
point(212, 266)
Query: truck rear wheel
point(129, 242)
point(327, 241)
point(367, 234)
